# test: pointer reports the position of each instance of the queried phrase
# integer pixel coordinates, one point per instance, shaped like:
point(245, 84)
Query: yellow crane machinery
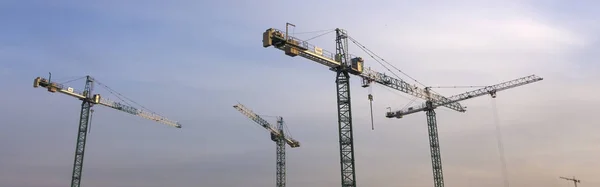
point(88, 101)
point(277, 135)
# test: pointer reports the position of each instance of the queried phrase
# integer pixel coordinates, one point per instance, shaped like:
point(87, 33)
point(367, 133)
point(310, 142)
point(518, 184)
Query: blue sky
point(193, 60)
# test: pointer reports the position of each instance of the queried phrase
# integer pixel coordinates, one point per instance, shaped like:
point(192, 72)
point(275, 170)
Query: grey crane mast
point(278, 136)
point(429, 108)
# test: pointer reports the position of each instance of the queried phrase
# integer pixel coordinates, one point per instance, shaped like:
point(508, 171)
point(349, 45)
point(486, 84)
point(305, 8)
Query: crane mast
point(345, 64)
point(278, 136)
point(88, 101)
point(280, 153)
point(84, 119)
point(429, 108)
point(346, 139)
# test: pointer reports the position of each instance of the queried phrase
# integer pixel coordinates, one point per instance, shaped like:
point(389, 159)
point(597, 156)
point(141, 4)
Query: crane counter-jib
point(320, 55)
point(56, 87)
point(293, 47)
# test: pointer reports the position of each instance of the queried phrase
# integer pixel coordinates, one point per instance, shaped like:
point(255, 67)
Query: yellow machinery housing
point(96, 99)
point(273, 37)
point(292, 50)
point(357, 65)
point(36, 82)
point(278, 39)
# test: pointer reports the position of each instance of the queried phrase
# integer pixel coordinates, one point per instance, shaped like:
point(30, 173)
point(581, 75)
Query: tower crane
point(88, 101)
point(431, 104)
point(575, 181)
point(277, 135)
point(345, 64)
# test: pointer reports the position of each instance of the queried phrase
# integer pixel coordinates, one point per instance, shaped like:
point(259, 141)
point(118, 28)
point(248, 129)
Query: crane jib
point(263, 123)
point(468, 95)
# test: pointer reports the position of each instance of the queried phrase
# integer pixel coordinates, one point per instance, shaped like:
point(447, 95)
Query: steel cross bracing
point(434, 148)
point(84, 119)
point(429, 107)
point(345, 130)
point(280, 150)
point(278, 136)
point(346, 139)
point(88, 101)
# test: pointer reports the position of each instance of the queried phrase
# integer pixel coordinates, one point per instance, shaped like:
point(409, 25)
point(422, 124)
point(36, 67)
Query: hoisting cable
point(371, 52)
point(113, 92)
point(370, 96)
point(372, 56)
point(287, 133)
point(371, 105)
point(71, 80)
point(319, 35)
point(396, 93)
point(117, 94)
point(409, 103)
point(500, 144)
point(310, 32)
point(90, 122)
